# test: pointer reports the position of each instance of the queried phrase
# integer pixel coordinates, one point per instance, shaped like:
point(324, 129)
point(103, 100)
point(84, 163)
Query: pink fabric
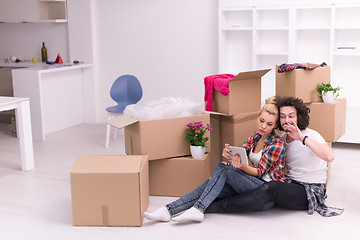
point(220, 83)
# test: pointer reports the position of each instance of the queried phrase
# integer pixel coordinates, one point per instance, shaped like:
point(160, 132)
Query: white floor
point(37, 204)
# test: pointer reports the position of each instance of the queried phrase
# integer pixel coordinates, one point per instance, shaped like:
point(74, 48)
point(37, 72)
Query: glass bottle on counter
point(43, 53)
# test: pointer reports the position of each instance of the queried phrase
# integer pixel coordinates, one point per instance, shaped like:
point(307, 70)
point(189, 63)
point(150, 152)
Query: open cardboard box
point(300, 83)
point(244, 96)
point(160, 138)
point(109, 190)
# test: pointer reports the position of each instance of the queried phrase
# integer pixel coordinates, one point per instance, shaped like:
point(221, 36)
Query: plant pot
point(328, 97)
point(197, 152)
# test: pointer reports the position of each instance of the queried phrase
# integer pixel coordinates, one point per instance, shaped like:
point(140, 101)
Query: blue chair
point(125, 90)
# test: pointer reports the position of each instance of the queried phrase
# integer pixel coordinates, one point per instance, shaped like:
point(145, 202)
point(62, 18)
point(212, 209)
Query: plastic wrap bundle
point(161, 108)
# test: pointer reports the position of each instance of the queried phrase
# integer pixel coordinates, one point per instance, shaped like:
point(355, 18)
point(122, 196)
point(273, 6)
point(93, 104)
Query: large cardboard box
point(161, 138)
point(302, 83)
point(244, 96)
point(237, 129)
point(109, 190)
point(329, 119)
point(215, 141)
point(177, 176)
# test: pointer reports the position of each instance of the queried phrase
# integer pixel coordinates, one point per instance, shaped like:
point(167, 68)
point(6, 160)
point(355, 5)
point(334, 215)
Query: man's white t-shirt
point(302, 164)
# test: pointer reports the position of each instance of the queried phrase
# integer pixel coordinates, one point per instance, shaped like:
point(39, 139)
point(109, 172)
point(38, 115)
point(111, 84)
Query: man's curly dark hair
point(302, 111)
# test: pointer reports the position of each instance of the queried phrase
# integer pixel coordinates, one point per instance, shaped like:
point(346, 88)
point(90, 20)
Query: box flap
point(122, 121)
point(215, 113)
point(109, 164)
point(241, 117)
point(251, 74)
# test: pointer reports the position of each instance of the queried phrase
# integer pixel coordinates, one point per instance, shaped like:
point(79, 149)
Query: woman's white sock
point(160, 214)
point(191, 215)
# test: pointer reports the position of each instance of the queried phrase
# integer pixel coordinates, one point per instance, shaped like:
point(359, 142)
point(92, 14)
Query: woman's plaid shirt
point(273, 156)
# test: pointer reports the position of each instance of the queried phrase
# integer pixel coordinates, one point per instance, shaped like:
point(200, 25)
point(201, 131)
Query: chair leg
point(115, 133)
point(107, 135)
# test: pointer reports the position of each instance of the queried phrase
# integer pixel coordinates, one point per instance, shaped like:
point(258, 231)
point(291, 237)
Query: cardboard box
point(178, 176)
point(244, 96)
point(215, 141)
point(329, 119)
point(161, 138)
point(109, 190)
point(237, 129)
point(302, 83)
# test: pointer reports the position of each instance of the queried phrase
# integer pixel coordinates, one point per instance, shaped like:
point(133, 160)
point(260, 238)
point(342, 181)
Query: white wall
point(170, 45)
point(24, 40)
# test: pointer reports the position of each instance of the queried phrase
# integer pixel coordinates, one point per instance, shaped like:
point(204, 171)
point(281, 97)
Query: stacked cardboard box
point(300, 83)
point(234, 116)
point(326, 118)
point(172, 170)
point(177, 176)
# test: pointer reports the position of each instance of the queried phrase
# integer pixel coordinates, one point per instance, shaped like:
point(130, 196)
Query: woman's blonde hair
point(270, 107)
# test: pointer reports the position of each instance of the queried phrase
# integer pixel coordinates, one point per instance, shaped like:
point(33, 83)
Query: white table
point(23, 128)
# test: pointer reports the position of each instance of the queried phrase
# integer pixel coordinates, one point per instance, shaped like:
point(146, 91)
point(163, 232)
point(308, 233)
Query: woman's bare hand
point(236, 162)
point(226, 152)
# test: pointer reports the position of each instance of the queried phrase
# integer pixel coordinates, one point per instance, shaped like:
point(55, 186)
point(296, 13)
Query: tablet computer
point(241, 151)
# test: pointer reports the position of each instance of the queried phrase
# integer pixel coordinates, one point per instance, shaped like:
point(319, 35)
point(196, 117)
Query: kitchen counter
point(29, 66)
point(55, 93)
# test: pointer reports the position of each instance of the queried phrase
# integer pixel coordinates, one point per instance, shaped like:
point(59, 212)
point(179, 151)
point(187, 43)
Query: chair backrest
point(126, 89)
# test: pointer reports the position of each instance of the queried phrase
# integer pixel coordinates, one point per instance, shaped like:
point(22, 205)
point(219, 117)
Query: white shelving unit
point(255, 35)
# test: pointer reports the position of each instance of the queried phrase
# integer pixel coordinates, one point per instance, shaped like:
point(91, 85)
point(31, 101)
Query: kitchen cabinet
point(259, 34)
point(52, 11)
point(18, 11)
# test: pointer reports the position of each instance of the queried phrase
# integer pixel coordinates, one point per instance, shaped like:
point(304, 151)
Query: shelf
point(236, 18)
point(313, 18)
point(347, 53)
point(272, 28)
point(355, 27)
point(236, 29)
point(346, 38)
point(271, 53)
point(53, 21)
point(347, 17)
point(313, 28)
point(271, 18)
point(271, 41)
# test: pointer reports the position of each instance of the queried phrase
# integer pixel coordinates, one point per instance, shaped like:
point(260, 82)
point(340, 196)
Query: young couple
point(235, 187)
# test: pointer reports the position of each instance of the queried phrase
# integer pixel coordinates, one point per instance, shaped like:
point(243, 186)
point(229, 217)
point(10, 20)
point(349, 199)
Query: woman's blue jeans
point(225, 181)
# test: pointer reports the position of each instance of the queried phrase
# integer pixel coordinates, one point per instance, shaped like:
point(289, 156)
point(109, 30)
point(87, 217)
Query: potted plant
point(195, 136)
point(327, 92)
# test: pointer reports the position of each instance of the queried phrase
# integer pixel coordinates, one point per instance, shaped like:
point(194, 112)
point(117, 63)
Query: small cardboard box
point(109, 190)
point(329, 119)
point(244, 96)
point(161, 138)
point(235, 130)
point(300, 83)
point(177, 176)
